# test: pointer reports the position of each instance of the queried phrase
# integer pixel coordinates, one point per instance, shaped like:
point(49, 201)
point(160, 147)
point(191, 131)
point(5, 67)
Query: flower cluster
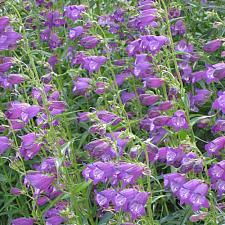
point(127, 173)
point(191, 192)
point(128, 200)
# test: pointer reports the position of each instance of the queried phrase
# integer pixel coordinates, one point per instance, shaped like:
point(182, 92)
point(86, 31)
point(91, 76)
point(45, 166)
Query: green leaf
point(105, 219)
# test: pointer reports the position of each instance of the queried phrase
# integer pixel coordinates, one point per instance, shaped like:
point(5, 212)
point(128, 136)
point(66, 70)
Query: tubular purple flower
point(215, 146)
point(179, 121)
point(39, 181)
point(108, 117)
point(75, 32)
point(93, 63)
point(23, 221)
point(212, 46)
point(89, 42)
point(4, 144)
point(219, 126)
point(147, 99)
point(153, 82)
point(219, 103)
point(100, 88)
point(82, 85)
point(74, 12)
point(127, 96)
point(100, 149)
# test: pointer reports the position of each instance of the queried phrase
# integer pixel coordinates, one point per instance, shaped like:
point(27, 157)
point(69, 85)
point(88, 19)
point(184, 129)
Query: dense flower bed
point(112, 112)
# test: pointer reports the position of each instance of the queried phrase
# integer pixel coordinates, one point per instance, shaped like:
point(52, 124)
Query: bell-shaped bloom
point(201, 97)
point(120, 78)
point(100, 88)
point(53, 215)
point(74, 12)
point(190, 162)
point(83, 116)
point(75, 32)
point(219, 126)
point(56, 107)
point(127, 96)
point(108, 117)
point(219, 103)
point(101, 149)
point(29, 147)
point(178, 28)
point(212, 46)
point(147, 99)
point(8, 37)
point(45, 34)
point(15, 78)
point(153, 82)
point(179, 121)
point(54, 41)
point(52, 60)
point(54, 19)
point(89, 42)
point(128, 173)
point(39, 181)
point(82, 85)
point(174, 12)
point(128, 200)
point(172, 156)
point(104, 198)
point(4, 144)
point(23, 221)
point(93, 63)
point(99, 172)
point(141, 65)
point(215, 146)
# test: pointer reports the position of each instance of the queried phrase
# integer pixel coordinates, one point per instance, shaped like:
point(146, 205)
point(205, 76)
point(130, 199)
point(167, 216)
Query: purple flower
point(147, 99)
point(74, 12)
point(108, 117)
point(120, 78)
point(23, 221)
point(153, 82)
point(52, 216)
point(219, 126)
point(172, 156)
point(93, 63)
point(4, 144)
point(103, 198)
point(8, 37)
point(89, 42)
point(212, 46)
point(54, 41)
point(215, 146)
point(190, 162)
point(99, 172)
point(127, 96)
point(141, 65)
point(100, 88)
point(21, 113)
point(75, 32)
point(39, 181)
point(54, 18)
point(100, 149)
point(219, 103)
point(178, 28)
point(201, 97)
point(29, 148)
point(82, 85)
point(128, 173)
point(179, 121)
point(45, 34)
point(83, 116)
point(52, 60)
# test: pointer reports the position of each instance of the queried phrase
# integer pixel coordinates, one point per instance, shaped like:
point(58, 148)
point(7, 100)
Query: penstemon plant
point(112, 112)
